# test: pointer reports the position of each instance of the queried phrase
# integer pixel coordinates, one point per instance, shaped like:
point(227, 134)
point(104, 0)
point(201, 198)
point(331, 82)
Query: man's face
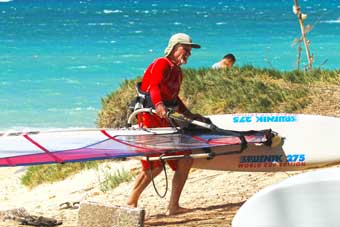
point(181, 54)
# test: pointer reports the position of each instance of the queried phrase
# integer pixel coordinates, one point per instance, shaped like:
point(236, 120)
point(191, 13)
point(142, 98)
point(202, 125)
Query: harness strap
point(143, 100)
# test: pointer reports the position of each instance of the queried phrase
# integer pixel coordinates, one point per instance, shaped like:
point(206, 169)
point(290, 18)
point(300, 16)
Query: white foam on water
point(79, 67)
point(100, 24)
point(108, 11)
point(337, 21)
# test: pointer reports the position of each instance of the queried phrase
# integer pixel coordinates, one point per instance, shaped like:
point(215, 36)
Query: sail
point(33, 148)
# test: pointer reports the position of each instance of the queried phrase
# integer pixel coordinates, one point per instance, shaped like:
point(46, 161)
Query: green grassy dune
point(245, 89)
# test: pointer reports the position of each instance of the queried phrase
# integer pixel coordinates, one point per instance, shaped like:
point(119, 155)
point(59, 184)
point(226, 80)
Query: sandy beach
point(213, 196)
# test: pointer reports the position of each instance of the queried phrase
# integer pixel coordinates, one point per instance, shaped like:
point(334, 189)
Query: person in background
point(227, 62)
point(161, 82)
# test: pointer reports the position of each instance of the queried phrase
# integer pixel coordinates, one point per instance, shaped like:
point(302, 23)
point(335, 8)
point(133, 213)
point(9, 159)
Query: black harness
point(143, 100)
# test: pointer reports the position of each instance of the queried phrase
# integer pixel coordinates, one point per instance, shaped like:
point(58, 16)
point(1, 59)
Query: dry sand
point(214, 196)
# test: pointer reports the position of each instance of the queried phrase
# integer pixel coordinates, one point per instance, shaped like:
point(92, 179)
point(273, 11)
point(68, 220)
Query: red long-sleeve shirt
point(162, 79)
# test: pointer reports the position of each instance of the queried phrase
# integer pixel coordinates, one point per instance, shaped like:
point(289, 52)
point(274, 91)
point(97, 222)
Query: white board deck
point(310, 141)
point(306, 200)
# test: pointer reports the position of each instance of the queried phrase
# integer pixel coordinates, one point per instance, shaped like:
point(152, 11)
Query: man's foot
point(132, 204)
point(177, 210)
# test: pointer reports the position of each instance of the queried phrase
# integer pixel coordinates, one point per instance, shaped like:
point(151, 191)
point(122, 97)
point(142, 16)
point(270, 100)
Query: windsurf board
point(309, 199)
point(310, 141)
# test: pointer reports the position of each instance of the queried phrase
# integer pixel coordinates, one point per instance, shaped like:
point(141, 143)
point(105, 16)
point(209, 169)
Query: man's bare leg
point(143, 180)
point(178, 182)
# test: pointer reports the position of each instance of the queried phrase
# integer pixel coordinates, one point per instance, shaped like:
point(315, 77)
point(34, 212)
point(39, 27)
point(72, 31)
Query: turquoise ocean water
point(58, 58)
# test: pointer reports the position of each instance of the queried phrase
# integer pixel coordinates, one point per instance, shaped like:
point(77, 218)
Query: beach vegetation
point(237, 90)
point(49, 173)
point(112, 180)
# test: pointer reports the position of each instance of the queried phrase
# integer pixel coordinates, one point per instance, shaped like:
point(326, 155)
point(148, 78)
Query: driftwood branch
point(24, 218)
point(301, 17)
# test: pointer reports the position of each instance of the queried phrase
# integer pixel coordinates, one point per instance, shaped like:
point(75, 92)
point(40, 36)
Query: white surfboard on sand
point(310, 141)
point(305, 200)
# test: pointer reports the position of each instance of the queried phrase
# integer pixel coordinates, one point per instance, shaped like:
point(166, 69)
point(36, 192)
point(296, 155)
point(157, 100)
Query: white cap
point(179, 38)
